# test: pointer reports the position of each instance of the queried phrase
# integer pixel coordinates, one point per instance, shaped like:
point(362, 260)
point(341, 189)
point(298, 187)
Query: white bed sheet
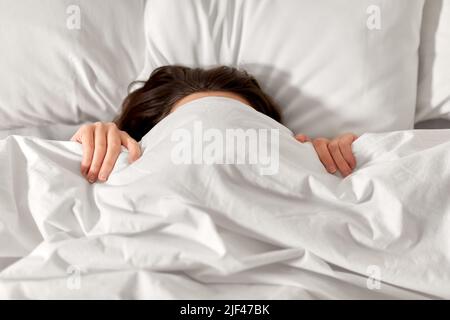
point(160, 230)
point(51, 132)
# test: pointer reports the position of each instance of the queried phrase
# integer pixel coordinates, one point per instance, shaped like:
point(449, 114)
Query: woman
point(167, 89)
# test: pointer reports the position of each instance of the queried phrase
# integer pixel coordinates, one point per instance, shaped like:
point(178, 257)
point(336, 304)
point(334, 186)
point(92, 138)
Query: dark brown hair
point(146, 106)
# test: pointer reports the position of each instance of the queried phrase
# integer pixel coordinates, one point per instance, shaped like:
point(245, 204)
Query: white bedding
point(161, 230)
point(67, 61)
point(373, 45)
point(51, 132)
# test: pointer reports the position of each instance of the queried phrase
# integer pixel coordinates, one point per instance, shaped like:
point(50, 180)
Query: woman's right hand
point(102, 144)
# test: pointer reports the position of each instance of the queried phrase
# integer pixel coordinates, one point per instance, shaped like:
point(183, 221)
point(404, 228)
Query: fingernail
point(91, 179)
point(102, 177)
point(332, 169)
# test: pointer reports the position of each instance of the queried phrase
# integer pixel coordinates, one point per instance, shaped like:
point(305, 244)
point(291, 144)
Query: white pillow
point(433, 97)
point(67, 61)
point(333, 66)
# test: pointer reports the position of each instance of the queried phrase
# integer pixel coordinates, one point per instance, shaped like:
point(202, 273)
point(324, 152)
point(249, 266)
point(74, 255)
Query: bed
point(161, 230)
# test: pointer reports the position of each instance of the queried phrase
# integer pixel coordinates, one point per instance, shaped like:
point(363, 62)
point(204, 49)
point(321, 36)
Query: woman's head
point(168, 85)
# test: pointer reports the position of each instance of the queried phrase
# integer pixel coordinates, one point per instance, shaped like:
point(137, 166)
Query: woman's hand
point(102, 144)
point(335, 154)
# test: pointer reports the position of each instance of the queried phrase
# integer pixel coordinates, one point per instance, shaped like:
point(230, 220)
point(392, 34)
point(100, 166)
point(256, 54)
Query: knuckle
point(86, 126)
point(349, 137)
point(115, 150)
point(88, 142)
point(129, 139)
point(135, 154)
point(136, 144)
point(333, 146)
point(348, 134)
point(319, 141)
point(346, 139)
point(114, 146)
point(101, 146)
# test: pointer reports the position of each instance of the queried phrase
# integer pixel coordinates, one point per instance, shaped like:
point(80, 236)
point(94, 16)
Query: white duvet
point(162, 230)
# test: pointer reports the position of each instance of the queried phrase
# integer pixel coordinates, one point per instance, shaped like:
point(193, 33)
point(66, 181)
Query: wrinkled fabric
point(161, 230)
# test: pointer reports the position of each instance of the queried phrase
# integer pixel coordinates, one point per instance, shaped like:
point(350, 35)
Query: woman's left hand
point(335, 154)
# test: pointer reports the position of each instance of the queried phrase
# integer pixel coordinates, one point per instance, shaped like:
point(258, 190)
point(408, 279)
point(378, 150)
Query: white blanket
point(157, 229)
